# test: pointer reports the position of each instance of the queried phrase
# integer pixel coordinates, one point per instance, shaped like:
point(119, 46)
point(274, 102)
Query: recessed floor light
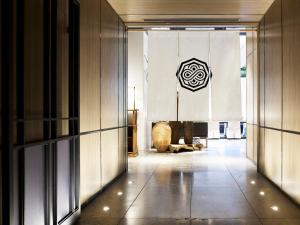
point(120, 193)
point(106, 208)
point(262, 193)
point(275, 208)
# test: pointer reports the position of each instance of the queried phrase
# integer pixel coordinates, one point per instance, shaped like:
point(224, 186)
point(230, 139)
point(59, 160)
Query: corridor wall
point(252, 96)
point(103, 87)
point(279, 53)
point(64, 107)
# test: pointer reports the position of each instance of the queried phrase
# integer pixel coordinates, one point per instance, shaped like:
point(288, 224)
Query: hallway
point(217, 186)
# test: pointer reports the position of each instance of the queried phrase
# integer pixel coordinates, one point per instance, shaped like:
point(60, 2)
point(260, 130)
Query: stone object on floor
point(184, 148)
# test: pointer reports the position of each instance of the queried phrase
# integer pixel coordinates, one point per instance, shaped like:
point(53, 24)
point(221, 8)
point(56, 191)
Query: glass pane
point(63, 179)
point(35, 194)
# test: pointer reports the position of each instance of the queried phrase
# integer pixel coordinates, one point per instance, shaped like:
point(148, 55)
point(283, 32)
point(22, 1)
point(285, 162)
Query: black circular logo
point(193, 74)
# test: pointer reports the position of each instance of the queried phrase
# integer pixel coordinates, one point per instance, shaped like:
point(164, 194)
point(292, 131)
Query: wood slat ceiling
point(139, 11)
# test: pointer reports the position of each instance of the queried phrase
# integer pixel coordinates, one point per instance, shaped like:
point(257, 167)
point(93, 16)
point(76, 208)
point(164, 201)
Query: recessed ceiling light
point(106, 208)
point(262, 193)
point(253, 182)
point(120, 193)
point(160, 28)
point(130, 182)
point(275, 208)
point(199, 28)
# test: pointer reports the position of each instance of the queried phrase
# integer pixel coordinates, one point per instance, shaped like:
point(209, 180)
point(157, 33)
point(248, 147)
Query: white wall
point(137, 79)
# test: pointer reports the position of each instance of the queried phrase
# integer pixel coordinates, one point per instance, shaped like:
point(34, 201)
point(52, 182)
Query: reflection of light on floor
point(262, 193)
point(253, 182)
point(120, 193)
point(106, 208)
point(211, 157)
point(275, 208)
point(219, 155)
point(130, 182)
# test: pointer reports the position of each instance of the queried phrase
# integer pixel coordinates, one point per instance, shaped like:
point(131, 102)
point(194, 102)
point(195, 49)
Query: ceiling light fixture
point(275, 208)
point(160, 28)
point(120, 193)
point(199, 28)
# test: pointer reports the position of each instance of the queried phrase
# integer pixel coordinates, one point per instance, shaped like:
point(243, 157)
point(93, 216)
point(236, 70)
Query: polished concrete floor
point(218, 186)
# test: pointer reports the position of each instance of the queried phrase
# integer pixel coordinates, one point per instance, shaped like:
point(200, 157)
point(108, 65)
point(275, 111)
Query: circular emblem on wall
point(193, 74)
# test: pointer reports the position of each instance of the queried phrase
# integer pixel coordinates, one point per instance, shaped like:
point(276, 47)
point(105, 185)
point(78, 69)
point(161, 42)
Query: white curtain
point(226, 81)
point(193, 106)
point(222, 97)
point(162, 95)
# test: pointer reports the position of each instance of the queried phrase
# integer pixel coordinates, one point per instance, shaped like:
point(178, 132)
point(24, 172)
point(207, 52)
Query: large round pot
point(161, 136)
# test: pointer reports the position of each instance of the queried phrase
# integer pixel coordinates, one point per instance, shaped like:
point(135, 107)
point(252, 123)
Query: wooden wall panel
point(273, 66)
point(255, 40)
point(122, 150)
point(249, 42)
point(121, 74)
point(33, 68)
point(261, 56)
point(102, 96)
point(291, 166)
point(291, 65)
point(250, 141)
point(89, 65)
point(250, 83)
point(110, 155)
point(109, 67)
point(272, 160)
point(1, 120)
point(191, 7)
point(255, 142)
point(255, 88)
point(261, 152)
point(90, 164)
point(279, 48)
point(252, 96)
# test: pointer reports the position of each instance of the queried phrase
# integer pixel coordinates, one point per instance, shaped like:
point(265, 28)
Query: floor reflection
point(215, 186)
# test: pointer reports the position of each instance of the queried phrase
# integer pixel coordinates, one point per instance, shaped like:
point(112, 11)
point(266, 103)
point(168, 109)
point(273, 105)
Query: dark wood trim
point(19, 174)
point(282, 130)
point(7, 71)
point(7, 52)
